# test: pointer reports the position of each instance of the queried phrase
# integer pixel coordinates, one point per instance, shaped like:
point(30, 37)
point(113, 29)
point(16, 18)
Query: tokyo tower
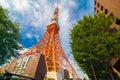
point(54, 64)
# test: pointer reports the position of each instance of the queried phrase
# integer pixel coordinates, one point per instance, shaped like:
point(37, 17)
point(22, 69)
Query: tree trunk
point(110, 70)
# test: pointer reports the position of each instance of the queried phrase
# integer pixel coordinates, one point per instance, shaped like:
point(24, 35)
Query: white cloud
point(16, 5)
point(36, 36)
point(72, 3)
point(23, 51)
point(20, 5)
point(4, 3)
point(29, 35)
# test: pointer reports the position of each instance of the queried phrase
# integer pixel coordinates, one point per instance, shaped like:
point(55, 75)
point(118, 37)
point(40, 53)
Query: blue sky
point(34, 15)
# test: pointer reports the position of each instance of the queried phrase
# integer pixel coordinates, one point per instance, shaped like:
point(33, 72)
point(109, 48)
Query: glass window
point(117, 21)
point(117, 65)
point(101, 7)
point(95, 2)
point(106, 11)
point(98, 5)
point(97, 11)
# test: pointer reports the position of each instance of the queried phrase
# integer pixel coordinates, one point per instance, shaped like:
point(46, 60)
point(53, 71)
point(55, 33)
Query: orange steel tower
point(57, 65)
point(53, 59)
point(49, 45)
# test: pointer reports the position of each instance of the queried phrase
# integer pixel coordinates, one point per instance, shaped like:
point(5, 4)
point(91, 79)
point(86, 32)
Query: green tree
point(9, 37)
point(94, 43)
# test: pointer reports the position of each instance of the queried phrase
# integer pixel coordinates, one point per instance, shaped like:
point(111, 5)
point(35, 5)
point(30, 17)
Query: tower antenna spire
point(55, 14)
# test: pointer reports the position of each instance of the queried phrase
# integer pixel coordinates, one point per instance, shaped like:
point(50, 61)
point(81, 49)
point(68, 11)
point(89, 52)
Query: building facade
point(32, 66)
point(107, 7)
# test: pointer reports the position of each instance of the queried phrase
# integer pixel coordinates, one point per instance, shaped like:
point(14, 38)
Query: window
point(106, 11)
point(101, 7)
point(95, 2)
point(98, 5)
point(117, 65)
point(117, 21)
point(97, 11)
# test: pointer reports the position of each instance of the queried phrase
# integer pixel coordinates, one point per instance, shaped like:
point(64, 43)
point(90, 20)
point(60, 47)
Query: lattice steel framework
point(50, 46)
